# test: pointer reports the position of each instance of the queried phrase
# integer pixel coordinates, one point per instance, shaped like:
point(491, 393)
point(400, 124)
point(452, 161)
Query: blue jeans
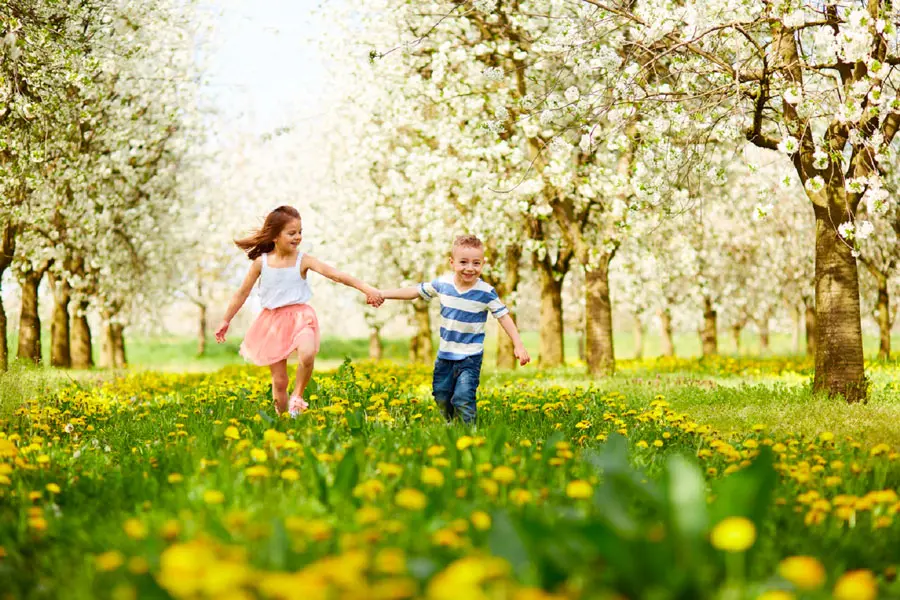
point(454, 385)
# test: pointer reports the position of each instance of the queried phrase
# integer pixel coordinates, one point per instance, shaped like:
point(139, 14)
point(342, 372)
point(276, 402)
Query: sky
point(265, 64)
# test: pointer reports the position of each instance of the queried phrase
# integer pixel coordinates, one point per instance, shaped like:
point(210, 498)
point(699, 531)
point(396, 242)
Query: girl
point(287, 322)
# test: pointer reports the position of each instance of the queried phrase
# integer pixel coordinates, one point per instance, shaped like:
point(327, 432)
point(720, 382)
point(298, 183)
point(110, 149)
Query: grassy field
point(183, 485)
point(174, 353)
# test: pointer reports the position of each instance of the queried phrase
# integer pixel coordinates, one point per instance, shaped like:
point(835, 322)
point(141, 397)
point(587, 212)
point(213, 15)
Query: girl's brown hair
point(263, 240)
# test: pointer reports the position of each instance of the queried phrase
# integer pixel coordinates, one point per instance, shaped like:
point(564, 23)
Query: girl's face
point(290, 237)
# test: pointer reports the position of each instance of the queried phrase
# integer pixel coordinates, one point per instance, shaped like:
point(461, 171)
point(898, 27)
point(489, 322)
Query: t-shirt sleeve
point(496, 306)
point(428, 289)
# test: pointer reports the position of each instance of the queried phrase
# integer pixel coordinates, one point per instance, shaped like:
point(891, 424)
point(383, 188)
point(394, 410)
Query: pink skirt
point(276, 333)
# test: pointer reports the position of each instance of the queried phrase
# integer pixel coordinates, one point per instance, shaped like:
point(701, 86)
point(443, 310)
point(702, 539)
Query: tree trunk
point(810, 323)
point(376, 348)
point(506, 358)
point(599, 351)
point(414, 348)
point(82, 346)
point(797, 318)
point(839, 352)
point(29, 319)
point(4, 349)
point(736, 330)
point(118, 340)
point(551, 352)
point(7, 251)
point(883, 316)
point(638, 337)
point(424, 347)
point(665, 321)
point(764, 335)
point(202, 317)
point(202, 325)
point(60, 335)
point(708, 334)
point(108, 345)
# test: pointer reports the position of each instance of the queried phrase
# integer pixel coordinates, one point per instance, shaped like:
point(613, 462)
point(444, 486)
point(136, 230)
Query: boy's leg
point(442, 386)
point(279, 385)
point(467, 380)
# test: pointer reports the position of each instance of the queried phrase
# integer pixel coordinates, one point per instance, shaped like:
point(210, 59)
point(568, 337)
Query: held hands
point(220, 332)
point(374, 297)
point(521, 354)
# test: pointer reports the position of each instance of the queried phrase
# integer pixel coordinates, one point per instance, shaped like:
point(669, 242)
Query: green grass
point(179, 353)
point(730, 403)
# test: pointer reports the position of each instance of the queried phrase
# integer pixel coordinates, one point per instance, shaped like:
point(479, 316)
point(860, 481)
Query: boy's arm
point(509, 326)
point(407, 293)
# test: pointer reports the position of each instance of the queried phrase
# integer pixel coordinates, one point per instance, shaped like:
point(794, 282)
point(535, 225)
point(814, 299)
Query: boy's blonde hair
point(467, 241)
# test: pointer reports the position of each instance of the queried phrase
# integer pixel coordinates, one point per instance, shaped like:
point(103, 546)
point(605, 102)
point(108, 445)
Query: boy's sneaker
point(297, 405)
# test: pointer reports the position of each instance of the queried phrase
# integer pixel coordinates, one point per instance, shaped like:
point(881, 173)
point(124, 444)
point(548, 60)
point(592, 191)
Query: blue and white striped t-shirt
point(463, 315)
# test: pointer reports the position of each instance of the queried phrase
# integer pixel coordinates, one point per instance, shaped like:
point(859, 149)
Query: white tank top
point(281, 286)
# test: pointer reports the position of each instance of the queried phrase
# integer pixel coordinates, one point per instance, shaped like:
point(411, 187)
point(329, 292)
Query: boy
point(465, 301)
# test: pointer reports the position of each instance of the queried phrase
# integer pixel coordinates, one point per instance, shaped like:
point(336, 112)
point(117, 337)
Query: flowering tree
point(815, 81)
point(878, 240)
point(90, 161)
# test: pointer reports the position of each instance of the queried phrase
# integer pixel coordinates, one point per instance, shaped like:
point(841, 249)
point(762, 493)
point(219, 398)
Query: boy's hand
point(220, 332)
point(522, 354)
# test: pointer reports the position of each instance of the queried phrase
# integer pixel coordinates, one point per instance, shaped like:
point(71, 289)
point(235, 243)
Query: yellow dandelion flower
point(489, 487)
point(290, 475)
point(880, 449)
point(175, 478)
point(213, 497)
point(138, 565)
point(390, 561)
point(53, 488)
point(368, 515)
point(481, 520)
point(170, 530)
point(410, 499)
point(259, 455)
point(109, 561)
point(504, 474)
point(37, 523)
point(260, 471)
point(805, 572)
point(135, 529)
point(776, 595)
point(856, 585)
point(733, 534)
point(464, 442)
point(519, 496)
point(579, 489)
point(231, 433)
point(432, 477)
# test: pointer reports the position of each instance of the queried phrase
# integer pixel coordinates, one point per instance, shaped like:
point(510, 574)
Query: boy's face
point(467, 263)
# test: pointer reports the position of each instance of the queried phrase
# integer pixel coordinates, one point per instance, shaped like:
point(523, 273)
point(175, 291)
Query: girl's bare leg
point(307, 354)
point(279, 385)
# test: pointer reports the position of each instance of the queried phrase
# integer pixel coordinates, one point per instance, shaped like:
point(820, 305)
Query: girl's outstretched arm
point(373, 296)
point(239, 298)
